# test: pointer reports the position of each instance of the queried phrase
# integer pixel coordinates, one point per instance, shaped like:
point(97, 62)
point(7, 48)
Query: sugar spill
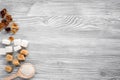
point(27, 70)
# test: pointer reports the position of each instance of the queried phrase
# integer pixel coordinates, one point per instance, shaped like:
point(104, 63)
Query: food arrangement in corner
point(15, 50)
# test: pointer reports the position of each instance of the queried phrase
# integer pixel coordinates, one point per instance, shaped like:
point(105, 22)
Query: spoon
point(26, 71)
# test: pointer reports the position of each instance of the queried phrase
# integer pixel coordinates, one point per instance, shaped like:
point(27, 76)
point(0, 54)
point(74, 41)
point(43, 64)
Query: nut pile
point(15, 50)
point(7, 22)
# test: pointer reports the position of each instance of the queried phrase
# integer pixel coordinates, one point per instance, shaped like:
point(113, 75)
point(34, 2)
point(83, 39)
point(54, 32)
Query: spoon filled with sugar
point(26, 71)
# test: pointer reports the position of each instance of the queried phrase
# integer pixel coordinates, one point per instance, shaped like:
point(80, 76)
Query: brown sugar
point(3, 12)
point(24, 52)
point(8, 68)
point(9, 18)
point(7, 29)
point(20, 57)
point(1, 26)
point(15, 62)
point(14, 24)
point(11, 38)
point(9, 57)
point(15, 28)
point(13, 31)
point(6, 23)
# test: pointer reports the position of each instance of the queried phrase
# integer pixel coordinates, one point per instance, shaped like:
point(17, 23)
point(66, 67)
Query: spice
point(11, 38)
point(8, 68)
point(15, 62)
point(20, 57)
point(24, 52)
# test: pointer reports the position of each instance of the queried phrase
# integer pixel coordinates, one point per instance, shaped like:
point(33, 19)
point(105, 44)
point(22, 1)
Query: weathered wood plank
point(69, 39)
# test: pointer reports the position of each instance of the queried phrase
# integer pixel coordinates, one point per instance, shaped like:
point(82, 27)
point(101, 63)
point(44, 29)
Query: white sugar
point(27, 70)
point(17, 42)
point(17, 48)
point(8, 49)
point(2, 51)
point(6, 42)
point(24, 43)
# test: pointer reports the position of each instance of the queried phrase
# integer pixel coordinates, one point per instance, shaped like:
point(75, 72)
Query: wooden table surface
point(69, 39)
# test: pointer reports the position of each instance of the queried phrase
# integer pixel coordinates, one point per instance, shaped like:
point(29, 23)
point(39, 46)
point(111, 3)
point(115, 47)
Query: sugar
point(27, 70)
point(24, 43)
point(2, 51)
point(8, 49)
point(6, 42)
point(17, 48)
point(17, 42)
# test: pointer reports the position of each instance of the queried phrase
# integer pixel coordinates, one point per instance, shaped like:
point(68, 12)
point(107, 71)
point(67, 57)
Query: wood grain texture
point(69, 39)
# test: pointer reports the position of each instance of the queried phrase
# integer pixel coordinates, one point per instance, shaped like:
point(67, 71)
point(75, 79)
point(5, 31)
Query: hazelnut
point(24, 52)
point(15, 62)
point(20, 57)
point(11, 38)
point(8, 68)
point(9, 57)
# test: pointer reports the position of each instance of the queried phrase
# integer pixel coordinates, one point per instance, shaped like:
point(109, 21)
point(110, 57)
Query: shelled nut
point(8, 68)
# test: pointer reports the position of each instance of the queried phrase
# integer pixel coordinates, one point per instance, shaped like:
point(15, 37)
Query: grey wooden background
point(69, 39)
